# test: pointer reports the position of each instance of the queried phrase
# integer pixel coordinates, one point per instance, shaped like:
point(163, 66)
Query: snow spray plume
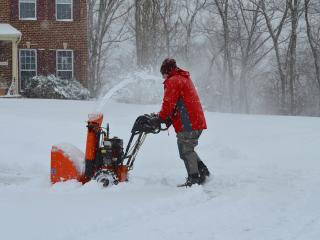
point(133, 87)
point(112, 91)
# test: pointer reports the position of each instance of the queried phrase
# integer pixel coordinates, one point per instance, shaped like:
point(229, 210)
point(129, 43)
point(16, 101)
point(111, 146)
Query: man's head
point(167, 66)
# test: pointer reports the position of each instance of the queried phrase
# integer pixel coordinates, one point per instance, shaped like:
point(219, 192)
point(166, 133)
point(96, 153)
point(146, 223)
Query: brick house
point(42, 37)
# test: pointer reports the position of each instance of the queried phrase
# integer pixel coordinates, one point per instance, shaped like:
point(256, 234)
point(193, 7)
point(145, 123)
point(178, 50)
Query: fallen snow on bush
point(55, 87)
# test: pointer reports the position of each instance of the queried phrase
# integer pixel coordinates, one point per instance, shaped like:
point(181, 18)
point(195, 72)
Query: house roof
point(7, 31)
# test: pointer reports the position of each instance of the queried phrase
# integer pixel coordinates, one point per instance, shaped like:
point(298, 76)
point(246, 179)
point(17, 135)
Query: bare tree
point(147, 27)
point(168, 12)
point(237, 38)
point(275, 32)
point(228, 71)
point(314, 43)
point(251, 38)
point(187, 17)
point(292, 51)
point(102, 15)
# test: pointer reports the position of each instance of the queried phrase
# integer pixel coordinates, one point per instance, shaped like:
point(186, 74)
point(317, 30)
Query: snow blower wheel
point(106, 177)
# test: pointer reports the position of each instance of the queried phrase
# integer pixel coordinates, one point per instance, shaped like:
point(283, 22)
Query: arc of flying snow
point(112, 91)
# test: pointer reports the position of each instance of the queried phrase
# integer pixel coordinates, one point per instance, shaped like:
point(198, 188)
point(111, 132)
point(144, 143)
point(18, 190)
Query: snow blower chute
point(104, 160)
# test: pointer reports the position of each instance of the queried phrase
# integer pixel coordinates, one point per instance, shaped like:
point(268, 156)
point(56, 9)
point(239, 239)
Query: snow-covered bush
point(55, 87)
point(139, 87)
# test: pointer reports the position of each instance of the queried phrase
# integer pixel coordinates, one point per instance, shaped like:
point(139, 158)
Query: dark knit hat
point(168, 65)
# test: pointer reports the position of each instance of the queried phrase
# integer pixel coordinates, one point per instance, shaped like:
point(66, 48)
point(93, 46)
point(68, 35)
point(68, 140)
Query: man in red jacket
point(181, 106)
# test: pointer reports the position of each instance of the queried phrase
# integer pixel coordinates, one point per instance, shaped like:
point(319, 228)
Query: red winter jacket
point(181, 103)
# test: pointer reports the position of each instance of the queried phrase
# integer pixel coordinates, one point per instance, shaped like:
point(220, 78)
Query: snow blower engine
point(105, 159)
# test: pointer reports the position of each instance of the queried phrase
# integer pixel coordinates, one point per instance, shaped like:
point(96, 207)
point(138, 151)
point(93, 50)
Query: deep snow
point(265, 185)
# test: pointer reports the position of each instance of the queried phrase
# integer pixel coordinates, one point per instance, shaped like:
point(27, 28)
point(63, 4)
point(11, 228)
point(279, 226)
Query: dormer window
point(64, 10)
point(27, 9)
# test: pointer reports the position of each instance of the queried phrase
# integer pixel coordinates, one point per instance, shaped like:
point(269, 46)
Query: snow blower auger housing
point(105, 159)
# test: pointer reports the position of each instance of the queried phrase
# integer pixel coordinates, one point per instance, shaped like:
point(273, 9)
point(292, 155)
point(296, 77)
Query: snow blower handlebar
point(148, 123)
point(144, 124)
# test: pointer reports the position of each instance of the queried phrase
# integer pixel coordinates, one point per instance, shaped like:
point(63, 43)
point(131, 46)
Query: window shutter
point(52, 62)
point(76, 10)
point(40, 14)
point(14, 9)
point(51, 9)
point(77, 65)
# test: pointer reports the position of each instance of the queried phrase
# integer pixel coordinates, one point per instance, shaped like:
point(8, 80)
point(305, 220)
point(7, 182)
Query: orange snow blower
point(104, 158)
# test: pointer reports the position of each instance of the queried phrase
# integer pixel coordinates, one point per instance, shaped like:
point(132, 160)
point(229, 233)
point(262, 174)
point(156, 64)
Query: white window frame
point(35, 10)
point(65, 50)
point(64, 20)
point(27, 70)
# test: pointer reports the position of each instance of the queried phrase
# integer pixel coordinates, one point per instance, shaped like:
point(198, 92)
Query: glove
point(167, 121)
point(155, 120)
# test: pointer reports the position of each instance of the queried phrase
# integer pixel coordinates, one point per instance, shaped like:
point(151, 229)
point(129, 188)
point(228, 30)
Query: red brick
point(46, 35)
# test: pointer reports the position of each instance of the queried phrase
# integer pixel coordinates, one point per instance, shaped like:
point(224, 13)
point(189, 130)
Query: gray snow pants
point(187, 141)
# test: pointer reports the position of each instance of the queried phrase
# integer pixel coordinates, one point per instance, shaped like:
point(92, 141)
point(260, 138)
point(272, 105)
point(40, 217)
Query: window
point(64, 10)
point(65, 64)
point(27, 9)
point(28, 66)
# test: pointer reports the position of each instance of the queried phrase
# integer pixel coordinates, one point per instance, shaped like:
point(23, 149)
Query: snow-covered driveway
point(265, 185)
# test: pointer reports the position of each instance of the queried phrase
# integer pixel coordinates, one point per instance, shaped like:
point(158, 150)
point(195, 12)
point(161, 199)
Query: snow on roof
point(8, 31)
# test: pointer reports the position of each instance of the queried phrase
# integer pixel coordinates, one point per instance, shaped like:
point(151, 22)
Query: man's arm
point(170, 98)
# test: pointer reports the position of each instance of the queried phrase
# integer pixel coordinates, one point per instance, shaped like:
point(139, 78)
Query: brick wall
point(4, 11)
point(47, 35)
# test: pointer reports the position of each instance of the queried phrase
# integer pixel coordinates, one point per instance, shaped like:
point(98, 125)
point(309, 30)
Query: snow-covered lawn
point(265, 185)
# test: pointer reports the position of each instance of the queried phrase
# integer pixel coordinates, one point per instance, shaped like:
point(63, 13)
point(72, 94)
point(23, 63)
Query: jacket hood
point(178, 71)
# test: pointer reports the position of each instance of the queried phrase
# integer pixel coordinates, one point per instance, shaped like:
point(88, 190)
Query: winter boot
point(203, 170)
point(193, 179)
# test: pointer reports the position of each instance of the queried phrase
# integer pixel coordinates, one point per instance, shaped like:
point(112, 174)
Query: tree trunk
point(294, 8)
point(313, 47)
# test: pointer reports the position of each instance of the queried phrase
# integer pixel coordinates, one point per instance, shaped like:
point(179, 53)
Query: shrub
point(55, 87)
